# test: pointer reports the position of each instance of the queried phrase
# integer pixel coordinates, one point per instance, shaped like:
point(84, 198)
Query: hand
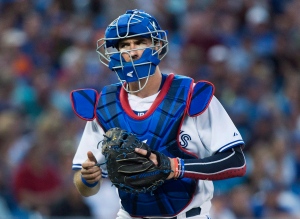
point(90, 172)
point(153, 158)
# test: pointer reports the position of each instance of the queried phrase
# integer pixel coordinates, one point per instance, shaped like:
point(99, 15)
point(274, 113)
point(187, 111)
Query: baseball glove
point(128, 170)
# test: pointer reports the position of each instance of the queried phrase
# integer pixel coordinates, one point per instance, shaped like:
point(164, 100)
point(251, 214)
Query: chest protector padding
point(159, 127)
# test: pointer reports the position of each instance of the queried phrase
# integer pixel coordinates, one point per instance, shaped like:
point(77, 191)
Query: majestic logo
point(184, 138)
point(235, 134)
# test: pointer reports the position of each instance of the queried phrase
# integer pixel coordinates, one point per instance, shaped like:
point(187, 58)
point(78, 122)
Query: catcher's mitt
point(128, 170)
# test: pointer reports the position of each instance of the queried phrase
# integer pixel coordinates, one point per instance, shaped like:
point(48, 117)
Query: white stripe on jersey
point(231, 144)
point(215, 173)
point(207, 163)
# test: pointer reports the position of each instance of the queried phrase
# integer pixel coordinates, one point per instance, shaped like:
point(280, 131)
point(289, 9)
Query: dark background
point(250, 51)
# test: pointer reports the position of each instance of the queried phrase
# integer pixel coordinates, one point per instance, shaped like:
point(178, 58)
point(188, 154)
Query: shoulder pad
point(84, 102)
point(203, 92)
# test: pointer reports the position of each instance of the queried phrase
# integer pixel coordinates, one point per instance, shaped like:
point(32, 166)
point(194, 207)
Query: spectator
point(35, 179)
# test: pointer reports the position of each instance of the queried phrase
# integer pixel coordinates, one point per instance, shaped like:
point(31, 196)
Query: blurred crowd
point(249, 49)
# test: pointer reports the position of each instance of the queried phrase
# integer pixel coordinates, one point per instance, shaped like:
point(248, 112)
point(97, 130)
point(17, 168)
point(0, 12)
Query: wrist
point(177, 168)
point(180, 167)
point(87, 183)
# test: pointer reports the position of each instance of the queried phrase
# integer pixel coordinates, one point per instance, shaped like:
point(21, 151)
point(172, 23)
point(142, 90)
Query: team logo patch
point(184, 138)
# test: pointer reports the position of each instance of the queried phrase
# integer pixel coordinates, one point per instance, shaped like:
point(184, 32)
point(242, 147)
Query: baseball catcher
point(131, 171)
point(191, 138)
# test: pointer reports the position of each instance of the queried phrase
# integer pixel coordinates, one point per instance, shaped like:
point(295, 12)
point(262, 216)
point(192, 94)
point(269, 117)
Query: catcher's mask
point(134, 23)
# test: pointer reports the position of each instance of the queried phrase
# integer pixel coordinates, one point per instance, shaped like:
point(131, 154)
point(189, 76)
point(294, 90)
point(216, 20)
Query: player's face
point(133, 48)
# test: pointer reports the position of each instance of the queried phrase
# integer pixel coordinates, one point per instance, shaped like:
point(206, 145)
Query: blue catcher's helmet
point(134, 23)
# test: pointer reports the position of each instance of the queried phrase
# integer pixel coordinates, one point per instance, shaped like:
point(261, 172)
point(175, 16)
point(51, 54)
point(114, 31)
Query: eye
point(143, 42)
point(122, 45)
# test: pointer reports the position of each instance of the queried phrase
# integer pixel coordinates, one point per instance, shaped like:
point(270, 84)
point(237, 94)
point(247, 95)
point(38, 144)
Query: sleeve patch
point(84, 102)
point(202, 94)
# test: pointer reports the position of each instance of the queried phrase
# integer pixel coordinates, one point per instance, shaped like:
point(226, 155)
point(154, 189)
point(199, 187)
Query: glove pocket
point(133, 166)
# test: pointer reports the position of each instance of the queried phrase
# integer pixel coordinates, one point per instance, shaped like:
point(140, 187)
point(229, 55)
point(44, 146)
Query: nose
point(130, 52)
point(133, 52)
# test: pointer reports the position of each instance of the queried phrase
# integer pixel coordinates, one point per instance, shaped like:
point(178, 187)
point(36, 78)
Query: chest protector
point(159, 127)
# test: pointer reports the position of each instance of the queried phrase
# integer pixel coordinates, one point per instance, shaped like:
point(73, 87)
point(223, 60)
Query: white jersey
point(197, 135)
